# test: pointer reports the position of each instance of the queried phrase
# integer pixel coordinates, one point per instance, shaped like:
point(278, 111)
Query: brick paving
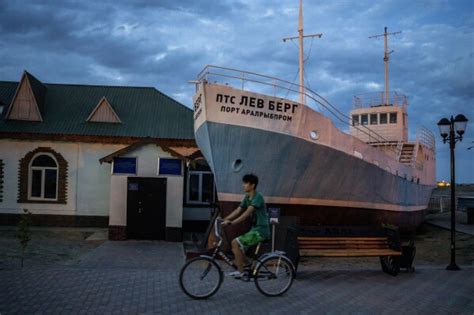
point(136, 277)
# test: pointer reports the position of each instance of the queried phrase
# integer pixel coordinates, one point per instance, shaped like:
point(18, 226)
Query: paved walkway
point(443, 220)
point(142, 277)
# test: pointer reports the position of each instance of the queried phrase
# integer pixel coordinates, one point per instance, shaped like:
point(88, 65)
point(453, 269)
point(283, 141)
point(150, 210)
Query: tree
point(24, 233)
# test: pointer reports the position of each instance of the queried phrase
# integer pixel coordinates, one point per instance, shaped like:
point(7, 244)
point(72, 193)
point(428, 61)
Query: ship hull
point(315, 183)
point(326, 215)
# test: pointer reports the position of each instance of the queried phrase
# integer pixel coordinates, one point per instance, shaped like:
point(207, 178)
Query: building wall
point(88, 181)
point(92, 191)
point(196, 213)
point(147, 166)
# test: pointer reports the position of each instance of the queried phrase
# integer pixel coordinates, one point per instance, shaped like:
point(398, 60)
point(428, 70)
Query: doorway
point(146, 208)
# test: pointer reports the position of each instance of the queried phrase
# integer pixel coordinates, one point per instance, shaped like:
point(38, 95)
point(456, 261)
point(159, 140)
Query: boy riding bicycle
point(252, 206)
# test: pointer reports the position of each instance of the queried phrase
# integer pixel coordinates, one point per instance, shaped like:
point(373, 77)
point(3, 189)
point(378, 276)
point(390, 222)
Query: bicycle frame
point(255, 261)
point(263, 268)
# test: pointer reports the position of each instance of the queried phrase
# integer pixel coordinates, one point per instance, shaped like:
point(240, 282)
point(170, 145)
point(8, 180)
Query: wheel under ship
point(308, 168)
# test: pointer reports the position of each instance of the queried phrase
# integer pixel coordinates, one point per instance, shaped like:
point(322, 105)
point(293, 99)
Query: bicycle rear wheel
point(274, 275)
point(200, 277)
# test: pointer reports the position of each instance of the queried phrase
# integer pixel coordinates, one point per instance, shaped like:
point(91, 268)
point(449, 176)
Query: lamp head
point(444, 125)
point(460, 123)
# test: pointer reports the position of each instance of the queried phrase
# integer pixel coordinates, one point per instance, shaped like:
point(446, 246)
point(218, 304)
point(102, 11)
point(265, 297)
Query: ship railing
point(379, 99)
point(264, 84)
point(414, 156)
point(426, 137)
point(250, 81)
point(399, 150)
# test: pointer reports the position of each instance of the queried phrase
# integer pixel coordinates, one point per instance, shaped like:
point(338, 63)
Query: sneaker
point(236, 274)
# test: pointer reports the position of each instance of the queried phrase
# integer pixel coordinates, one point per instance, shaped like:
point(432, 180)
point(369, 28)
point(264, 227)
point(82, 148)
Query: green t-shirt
point(259, 216)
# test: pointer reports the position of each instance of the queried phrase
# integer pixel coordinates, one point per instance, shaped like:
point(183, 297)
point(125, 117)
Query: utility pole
point(300, 40)
point(385, 60)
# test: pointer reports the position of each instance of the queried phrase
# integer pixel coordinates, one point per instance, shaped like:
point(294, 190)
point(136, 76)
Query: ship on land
point(310, 169)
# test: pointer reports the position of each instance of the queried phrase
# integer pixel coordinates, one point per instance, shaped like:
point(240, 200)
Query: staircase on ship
point(406, 153)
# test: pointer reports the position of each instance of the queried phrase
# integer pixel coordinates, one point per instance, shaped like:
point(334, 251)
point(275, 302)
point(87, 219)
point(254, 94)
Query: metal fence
point(439, 204)
point(442, 203)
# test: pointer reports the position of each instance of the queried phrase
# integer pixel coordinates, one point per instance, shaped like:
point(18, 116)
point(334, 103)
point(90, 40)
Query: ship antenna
point(385, 59)
point(300, 39)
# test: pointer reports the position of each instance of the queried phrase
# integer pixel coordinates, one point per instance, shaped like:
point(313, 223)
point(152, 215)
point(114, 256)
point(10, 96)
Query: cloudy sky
point(165, 43)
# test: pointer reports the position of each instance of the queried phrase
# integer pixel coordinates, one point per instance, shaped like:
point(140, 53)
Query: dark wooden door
point(146, 208)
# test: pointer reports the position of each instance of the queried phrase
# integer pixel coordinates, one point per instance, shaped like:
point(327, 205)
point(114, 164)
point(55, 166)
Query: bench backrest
point(344, 237)
point(318, 242)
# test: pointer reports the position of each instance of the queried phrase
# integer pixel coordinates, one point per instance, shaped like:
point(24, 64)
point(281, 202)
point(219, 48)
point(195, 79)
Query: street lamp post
point(446, 129)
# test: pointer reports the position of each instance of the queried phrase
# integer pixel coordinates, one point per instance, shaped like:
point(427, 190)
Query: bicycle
point(201, 277)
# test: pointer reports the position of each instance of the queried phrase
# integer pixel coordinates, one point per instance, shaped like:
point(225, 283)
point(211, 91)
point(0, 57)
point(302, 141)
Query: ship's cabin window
point(355, 120)
point(383, 118)
point(373, 119)
point(393, 118)
point(364, 119)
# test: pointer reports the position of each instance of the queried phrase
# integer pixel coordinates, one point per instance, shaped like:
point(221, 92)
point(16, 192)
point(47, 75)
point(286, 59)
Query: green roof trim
point(144, 111)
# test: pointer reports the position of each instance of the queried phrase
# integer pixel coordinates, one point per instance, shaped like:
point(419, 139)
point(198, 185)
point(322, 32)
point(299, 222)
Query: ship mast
point(300, 41)
point(385, 60)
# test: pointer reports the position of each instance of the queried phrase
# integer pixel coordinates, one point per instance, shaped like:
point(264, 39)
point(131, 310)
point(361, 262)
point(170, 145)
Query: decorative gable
point(104, 112)
point(28, 99)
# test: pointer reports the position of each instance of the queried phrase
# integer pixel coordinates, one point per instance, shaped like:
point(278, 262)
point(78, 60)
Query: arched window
point(43, 177)
point(43, 174)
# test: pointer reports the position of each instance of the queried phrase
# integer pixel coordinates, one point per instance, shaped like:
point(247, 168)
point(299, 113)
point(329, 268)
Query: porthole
point(237, 165)
point(314, 135)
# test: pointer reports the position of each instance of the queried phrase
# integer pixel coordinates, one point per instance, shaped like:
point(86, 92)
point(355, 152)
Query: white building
point(83, 155)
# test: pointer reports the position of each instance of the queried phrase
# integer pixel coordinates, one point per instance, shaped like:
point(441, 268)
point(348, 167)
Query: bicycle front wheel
point(200, 277)
point(274, 275)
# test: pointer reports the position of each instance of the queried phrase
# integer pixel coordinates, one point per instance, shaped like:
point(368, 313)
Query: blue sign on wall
point(125, 165)
point(170, 167)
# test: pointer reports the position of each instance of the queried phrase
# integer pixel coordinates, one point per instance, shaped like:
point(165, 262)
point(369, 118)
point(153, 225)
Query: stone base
point(195, 226)
point(57, 220)
point(117, 233)
point(174, 234)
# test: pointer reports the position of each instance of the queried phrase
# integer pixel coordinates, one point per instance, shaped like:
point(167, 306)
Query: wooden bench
point(383, 244)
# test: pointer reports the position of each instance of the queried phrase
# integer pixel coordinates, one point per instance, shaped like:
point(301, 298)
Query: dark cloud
point(166, 43)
